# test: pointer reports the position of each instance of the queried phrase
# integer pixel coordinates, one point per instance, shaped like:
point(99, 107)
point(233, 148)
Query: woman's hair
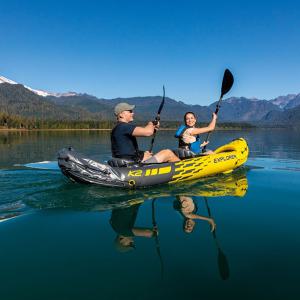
point(177, 205)
point(189, 112)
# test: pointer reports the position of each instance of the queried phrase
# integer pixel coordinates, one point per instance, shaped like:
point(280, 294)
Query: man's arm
point(148, 130)
point(145, 232)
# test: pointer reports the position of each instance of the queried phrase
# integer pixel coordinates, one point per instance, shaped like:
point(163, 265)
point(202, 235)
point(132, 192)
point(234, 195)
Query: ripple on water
point(274, 164)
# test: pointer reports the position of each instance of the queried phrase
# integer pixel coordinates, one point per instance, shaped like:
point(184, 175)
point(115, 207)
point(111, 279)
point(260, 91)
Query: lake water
point(58, 239)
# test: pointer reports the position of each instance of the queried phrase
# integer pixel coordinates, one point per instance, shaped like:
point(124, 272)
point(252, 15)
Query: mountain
point(282, 101)
point(27, 102)
point(18, 100)
point(146, 107)
point(288, 117)
point(293, 102)
point(37, 92)
point(244, 110)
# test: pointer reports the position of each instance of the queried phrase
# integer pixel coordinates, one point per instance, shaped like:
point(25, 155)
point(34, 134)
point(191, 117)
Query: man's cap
point(122, 107)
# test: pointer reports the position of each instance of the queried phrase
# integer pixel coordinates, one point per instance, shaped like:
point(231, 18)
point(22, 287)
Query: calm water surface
point(59, 240)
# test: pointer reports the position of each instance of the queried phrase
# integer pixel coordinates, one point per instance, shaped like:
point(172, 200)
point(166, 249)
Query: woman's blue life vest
point(195, 146)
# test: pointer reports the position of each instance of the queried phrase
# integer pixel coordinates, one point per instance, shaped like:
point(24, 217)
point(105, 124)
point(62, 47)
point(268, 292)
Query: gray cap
point(122, 107)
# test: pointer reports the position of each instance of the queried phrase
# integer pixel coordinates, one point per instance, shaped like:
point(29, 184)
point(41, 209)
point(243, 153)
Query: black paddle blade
point(162, 102)
point(223, 265)
point(227, 82)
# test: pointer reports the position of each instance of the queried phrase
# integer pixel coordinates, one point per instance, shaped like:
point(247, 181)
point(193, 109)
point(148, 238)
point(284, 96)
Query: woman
point(187, 208)
point(188, 134)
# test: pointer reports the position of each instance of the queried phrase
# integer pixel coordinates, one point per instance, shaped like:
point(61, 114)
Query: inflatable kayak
point(97, 198)
point(121, 173)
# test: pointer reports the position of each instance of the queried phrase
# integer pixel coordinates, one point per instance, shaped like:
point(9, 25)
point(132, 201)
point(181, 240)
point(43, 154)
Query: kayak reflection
point(87, 198)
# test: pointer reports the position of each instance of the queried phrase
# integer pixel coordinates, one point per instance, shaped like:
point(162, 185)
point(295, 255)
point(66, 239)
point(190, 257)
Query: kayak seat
point(184, 153)
point(120, 162)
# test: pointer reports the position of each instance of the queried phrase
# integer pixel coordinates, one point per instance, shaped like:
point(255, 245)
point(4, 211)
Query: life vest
point(195, 146)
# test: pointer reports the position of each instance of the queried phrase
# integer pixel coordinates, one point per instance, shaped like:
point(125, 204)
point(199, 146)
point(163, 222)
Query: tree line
point(12, 121)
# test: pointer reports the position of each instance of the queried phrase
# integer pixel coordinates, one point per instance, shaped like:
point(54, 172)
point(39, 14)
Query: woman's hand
point(204, 143)
point(212, 224)
point(187, 137)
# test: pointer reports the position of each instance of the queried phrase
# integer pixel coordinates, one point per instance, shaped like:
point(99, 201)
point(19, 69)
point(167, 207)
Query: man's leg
point(165, 155)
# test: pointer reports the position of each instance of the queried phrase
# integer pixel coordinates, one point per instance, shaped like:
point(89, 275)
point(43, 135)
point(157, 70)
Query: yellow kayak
point(83, 170)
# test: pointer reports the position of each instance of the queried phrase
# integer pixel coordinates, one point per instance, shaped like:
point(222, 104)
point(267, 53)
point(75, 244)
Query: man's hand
point(156, 124)
point(155, 231)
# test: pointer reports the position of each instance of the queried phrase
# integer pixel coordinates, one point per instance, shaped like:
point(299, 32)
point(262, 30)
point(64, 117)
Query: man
point(123, 223)
point(123, 138)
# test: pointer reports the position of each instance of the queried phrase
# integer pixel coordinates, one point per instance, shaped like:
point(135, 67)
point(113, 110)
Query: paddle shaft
point(216, 112)
point(157, 119)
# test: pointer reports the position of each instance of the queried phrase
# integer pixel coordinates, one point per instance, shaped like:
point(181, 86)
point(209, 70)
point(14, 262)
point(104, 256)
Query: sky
point(128, 48)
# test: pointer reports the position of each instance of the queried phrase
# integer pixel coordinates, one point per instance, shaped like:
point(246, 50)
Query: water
point(58, 238)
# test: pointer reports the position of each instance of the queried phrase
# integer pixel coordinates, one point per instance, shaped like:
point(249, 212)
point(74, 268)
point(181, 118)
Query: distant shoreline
point(107, 129)
point(50, 129)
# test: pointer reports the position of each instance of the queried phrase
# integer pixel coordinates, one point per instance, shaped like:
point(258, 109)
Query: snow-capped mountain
point(6, 80)
point(282, 101)
point(38, 92)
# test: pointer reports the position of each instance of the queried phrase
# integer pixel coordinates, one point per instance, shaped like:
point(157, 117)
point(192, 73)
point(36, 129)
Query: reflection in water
point(188, 209)
point(11, 210)
point(222, 259)
point(24, 147)
point(51, 192)
point(123, 223)
point(124, 205)
point(94, 198)
point(123, 218)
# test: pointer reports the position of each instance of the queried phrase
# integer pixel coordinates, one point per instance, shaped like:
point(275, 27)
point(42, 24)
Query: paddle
point(222, 260)
point(157, 118)
point(226, 86)
point(156, 239)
